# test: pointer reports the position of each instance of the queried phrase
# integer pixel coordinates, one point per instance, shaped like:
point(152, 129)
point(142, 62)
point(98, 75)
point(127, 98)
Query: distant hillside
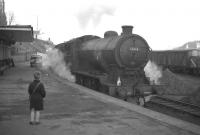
point(189, 45)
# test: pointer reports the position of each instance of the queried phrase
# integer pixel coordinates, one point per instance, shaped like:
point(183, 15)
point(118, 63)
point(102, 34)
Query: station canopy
point(16, 33)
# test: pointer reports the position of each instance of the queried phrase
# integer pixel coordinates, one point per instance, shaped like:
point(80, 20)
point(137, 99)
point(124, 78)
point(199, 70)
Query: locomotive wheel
point(85, 82)
point(112, 91)
point(187, 71)
point(81, 81)
point(196, 72)
point(96, 85)
point(89, 82)
point(122, 93)
point(1, 72)
point(103, 89)
point(78, 80)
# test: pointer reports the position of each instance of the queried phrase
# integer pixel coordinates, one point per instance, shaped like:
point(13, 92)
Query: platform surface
point(71, 109)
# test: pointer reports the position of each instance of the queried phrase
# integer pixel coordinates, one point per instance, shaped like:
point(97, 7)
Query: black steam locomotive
point(113, 64)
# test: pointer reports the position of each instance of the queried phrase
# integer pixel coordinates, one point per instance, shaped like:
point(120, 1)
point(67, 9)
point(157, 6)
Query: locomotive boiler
point(113, 64)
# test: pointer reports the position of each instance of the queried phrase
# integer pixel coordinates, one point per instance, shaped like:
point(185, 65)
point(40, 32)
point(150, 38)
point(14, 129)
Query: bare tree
point(11, 18)
point(2, 13)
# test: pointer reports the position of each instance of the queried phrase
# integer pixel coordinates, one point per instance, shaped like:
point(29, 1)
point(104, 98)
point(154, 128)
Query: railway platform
point(70, 109)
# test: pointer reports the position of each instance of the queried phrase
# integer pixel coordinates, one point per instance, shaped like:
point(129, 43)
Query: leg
point(32, 115)
point(37, 119)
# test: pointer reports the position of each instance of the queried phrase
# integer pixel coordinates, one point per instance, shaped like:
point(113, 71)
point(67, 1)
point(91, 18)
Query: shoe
point(31, 123)
point(37, 123)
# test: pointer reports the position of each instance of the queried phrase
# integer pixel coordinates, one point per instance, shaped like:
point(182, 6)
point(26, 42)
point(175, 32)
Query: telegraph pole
point(37, 31)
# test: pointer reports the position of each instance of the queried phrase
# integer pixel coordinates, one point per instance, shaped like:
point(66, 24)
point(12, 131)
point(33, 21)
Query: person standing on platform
point(36, 92)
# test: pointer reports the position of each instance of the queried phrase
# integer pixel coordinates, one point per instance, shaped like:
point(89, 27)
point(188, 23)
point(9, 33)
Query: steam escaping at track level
point(55, 61)
point(153, 71)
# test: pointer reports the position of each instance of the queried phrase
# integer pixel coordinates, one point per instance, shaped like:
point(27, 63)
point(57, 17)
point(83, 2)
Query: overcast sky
point(165, 24)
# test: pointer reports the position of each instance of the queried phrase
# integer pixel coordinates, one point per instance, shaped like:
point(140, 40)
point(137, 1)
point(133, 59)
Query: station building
point(9, 35)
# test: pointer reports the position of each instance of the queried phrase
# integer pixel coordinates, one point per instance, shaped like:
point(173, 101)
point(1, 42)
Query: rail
point(185, 111)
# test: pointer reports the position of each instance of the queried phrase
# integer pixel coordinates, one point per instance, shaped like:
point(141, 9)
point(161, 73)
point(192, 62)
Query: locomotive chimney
point(127, 30)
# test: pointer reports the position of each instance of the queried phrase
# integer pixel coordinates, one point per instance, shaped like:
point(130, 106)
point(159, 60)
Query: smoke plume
point(93, 14)
point(55, 61)
point(153, 72)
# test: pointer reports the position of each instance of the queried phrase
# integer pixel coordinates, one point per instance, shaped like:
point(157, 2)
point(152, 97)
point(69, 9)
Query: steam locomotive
point(113, 65)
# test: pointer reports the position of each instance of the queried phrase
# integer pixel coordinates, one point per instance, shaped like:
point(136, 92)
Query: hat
point(37, 75)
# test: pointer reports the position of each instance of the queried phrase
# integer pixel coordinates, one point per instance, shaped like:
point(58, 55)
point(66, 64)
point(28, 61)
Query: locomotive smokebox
point(127, 30)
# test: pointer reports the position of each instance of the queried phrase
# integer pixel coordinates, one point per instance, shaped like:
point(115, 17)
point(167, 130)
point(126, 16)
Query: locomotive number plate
point(134, 49)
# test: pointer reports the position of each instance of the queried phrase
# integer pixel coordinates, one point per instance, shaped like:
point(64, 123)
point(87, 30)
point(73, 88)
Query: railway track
point(185, 111)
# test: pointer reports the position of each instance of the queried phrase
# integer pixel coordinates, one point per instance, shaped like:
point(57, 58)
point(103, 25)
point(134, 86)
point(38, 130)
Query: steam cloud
point(93, 14)
point(55, 60)
point(153, 72)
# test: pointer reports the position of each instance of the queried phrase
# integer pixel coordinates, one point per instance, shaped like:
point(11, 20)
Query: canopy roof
point(16, 33)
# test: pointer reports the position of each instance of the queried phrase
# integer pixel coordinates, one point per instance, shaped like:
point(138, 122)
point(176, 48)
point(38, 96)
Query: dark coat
point(36, 98)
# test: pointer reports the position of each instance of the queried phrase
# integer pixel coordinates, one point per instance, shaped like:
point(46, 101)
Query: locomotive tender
point(113, 64)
